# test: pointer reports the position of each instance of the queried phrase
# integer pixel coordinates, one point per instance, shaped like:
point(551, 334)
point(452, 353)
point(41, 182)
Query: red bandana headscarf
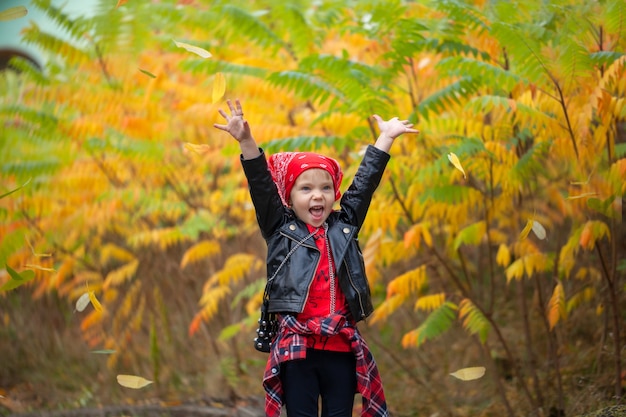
point(287, 166)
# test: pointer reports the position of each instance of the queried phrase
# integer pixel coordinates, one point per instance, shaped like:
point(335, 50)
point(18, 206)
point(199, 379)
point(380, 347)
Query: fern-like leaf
point(410, 282)
point(557, 307)
point(448, 96)
point(305, 85)
point(199, 251)
point(473, 319)
point(387, 308)
point(304, 143)
point(430, 302)
point(485, 73)
point(252, 27)
point(437, 322)
point(524, 51)
point(121, 274)
point(471, 235)
point(236, 268)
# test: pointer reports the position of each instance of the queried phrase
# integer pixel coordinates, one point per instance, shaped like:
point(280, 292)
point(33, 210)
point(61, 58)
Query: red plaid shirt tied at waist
point(291, 344)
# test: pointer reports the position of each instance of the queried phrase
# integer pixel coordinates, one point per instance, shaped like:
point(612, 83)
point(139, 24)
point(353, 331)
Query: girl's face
point(312, 196)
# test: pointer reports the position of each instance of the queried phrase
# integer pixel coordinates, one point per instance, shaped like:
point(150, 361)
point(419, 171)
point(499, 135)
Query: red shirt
point(317, 304)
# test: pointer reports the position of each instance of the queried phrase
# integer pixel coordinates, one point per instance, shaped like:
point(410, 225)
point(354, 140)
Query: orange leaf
point(121, 3)
point(195, 324)
point(585, 236)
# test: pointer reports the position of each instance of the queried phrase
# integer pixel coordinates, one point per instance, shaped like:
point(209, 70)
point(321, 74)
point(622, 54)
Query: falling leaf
point(103, 352)
point(17, 278)
point(82, 302)
point(197, 149)
point(195, 49)
point(527, 229)
point(457, 164)
point(121, 3)
point(148, 73)
point(13, 13)
point(94, 301)
point(539, 230)
point(132, 381)
point(219, 87)
point(469, 374)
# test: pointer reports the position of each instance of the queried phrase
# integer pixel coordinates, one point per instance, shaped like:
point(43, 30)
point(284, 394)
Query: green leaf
point(17, 279)
point(437, 322)
point(148, 73)
point(471, 235)
point(229, 332)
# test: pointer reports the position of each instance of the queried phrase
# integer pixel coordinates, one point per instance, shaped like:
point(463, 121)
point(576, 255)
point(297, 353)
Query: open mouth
point(316, 211)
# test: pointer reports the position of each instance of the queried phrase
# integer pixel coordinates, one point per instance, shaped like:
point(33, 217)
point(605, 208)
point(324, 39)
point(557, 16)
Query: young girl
point(319, 288)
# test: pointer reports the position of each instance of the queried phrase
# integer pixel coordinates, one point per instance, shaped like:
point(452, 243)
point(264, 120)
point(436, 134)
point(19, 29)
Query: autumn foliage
point(496, 236)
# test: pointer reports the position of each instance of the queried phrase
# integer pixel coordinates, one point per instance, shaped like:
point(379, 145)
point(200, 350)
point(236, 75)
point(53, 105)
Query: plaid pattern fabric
point(291, 343)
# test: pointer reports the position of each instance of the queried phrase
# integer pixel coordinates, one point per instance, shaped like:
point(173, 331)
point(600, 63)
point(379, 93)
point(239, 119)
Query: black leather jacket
point(282, 230)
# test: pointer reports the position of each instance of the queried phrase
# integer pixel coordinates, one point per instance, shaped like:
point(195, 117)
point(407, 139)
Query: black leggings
point(325, 374)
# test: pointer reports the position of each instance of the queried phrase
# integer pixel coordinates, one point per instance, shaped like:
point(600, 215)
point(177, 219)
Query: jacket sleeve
point(265, 198)
point(356, 200)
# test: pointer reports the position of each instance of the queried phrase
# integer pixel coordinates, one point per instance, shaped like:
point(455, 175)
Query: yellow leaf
point(515, 270)
point(469, 374)
point(13, 13)
point(503, 258)
point(219, 87)
point(428, 238)
point(371, 254)
point(430, 302)
point(132, 381)
point(539, 230)
point(408, 283)
point(82, 302)
point(527, 229)
point(197, 149)
point(121, 274)
point(199, 251)
point(457, 164)
point(195, 49)
point(94, 301)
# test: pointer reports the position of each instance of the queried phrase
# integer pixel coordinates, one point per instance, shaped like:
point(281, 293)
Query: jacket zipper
point(358, 294)
point(308, 288)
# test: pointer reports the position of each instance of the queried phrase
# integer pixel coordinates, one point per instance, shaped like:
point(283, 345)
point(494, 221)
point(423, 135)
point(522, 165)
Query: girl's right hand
point(236, 125)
